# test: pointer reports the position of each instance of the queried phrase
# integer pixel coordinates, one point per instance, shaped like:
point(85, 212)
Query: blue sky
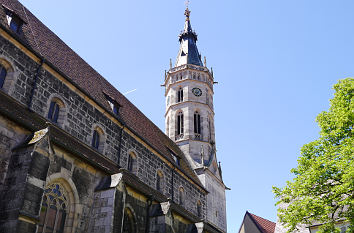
point(275, 62)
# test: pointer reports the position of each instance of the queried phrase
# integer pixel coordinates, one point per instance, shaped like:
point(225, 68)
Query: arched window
point(53, 113)
point(180, 95)
point(3, 73)
point(180, 125)
point(197, 125)
point(128, 222)
point(131, 166)
point(56, 110)
point(55, 209)
point(98, 139)
point(159, 181)
point(181, 196)
point(199, 209)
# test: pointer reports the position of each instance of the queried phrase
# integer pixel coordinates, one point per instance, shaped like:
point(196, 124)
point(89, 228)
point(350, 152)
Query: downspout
point(120, 145)
point(172, 183)
point(34, 86)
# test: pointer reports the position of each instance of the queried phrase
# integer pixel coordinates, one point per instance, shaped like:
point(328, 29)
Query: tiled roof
point(40, 39)
point(264, 225)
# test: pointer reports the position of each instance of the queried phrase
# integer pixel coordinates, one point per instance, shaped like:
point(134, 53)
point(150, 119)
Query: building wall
point(24, 174)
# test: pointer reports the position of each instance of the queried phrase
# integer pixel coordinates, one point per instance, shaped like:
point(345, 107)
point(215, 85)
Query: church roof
point(264, 225)
point(39, 39)
point(188, 51)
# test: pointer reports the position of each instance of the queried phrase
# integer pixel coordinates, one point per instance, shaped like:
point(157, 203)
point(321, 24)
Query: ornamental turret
point(189, 119)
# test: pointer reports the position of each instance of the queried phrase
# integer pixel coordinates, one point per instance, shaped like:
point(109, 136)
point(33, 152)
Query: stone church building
point(77, 156)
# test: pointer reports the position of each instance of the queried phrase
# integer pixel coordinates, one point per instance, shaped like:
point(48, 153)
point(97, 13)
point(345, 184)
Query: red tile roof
point(61, 57)
point(264, 225)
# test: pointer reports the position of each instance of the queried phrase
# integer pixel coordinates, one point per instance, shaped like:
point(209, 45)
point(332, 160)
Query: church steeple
point(189, 118)
point(188, 52)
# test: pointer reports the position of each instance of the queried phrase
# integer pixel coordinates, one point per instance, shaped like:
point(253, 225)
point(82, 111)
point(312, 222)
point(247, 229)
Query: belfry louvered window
point(180, 95)
point(197, 125)
point(3, 74)
point(180, 124)
point(53, 112)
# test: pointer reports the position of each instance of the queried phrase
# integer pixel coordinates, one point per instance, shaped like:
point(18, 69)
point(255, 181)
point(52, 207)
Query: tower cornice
point(188, 101)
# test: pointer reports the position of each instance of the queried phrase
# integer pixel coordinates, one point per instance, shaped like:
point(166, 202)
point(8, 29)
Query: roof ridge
point(72, 66)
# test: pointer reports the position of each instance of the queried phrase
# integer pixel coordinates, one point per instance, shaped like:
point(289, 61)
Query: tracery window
point(3, 73)
point(180, 125)
point(197, 125)
point(53, 113)
point(180, 95)
point(54, 209)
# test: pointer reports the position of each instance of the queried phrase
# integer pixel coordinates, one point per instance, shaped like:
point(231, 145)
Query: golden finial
point(187, 12)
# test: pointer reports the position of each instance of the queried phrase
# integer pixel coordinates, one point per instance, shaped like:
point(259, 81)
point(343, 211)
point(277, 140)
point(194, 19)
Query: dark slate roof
point(264, 225)
point(188, 52)
point(41, 40)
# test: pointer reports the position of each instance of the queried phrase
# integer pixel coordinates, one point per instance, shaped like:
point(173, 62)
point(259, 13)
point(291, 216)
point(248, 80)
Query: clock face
point(196, 91)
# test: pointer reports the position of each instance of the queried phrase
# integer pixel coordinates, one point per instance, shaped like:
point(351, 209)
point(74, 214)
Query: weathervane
point(187, 12)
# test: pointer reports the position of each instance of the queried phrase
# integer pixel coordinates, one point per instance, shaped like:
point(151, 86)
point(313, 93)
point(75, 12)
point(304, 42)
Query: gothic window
point(159, 181)
point(199, 209)
point(180, 124)
point(3, 73)
point(54, 209)
point(128, 222)
point(131, 162)
point(181, 196)
point(53, 112)
point(180, 95)
point(197, 127)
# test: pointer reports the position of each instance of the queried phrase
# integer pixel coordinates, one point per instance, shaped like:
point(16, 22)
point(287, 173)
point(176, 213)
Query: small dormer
point(113, 104)
point(13, 20)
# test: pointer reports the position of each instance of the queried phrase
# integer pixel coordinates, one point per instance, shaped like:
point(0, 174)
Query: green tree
point(323, 188)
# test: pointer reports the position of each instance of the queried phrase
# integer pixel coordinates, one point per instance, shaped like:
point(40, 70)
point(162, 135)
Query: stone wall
point(24, 176)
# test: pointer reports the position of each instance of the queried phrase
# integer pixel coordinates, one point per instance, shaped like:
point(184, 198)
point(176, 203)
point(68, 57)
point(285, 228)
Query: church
point(77, 156)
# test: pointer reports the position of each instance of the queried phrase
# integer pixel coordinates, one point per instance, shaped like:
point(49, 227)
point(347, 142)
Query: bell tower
point(189, 120)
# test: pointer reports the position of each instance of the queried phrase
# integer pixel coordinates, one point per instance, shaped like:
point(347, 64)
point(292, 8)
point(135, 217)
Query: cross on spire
point(187, 12)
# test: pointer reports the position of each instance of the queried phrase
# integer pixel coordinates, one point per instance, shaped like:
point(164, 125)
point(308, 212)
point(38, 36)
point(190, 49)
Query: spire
point(188, 52)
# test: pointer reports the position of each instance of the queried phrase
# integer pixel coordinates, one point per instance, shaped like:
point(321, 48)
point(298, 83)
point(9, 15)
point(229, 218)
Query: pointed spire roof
point(188, 52)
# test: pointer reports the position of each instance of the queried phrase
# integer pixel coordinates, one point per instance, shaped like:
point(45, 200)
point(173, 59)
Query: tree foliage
point(323, 188)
